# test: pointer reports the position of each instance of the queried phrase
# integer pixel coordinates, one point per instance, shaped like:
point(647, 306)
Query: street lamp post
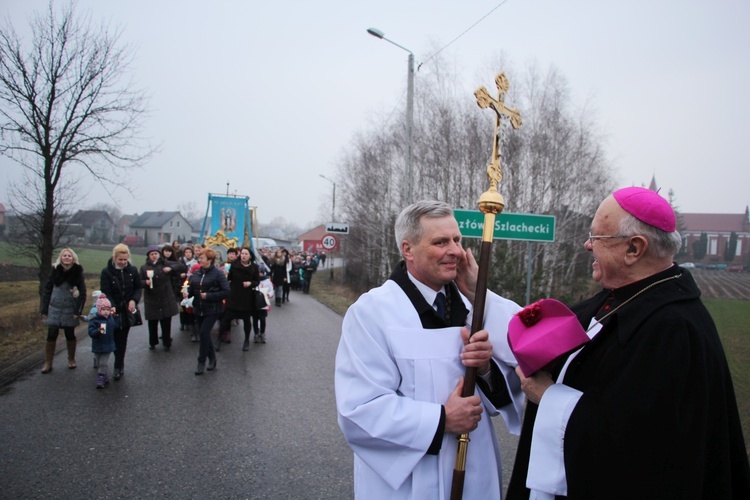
point(333, 212)
point(409, 110)
point(333, 204)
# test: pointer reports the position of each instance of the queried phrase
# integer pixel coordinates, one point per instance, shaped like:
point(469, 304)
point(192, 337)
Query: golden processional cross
point(491, 203)
point(494, 170)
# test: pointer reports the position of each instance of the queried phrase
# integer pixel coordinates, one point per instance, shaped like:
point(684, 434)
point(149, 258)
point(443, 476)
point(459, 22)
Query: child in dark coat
point(102, 333)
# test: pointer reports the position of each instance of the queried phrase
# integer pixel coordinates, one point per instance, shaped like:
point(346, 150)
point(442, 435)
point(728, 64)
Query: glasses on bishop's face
point(594, 237)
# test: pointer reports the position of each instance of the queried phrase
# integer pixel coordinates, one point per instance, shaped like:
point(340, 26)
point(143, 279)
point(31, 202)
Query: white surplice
point(392, 376)
point(546, 476)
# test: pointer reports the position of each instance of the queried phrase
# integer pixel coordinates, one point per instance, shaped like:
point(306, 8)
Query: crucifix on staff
point(485, 100)
point(491, 203)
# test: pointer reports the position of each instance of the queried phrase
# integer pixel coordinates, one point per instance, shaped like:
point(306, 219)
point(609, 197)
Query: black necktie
point(440, 304)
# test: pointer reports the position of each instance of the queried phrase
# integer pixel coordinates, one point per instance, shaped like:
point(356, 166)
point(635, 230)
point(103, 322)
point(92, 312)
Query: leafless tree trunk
point(370, 195)
point(26, 233)
point(65, 110)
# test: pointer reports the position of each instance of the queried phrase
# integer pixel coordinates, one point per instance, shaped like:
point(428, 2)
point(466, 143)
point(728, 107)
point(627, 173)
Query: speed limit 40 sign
point(329, 242)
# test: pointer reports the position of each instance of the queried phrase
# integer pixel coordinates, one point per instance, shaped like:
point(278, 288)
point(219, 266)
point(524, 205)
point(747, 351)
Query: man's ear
point(406, 250)
point(637, 248)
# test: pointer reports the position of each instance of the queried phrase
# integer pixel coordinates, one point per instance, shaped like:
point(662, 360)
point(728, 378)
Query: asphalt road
point(262, 425)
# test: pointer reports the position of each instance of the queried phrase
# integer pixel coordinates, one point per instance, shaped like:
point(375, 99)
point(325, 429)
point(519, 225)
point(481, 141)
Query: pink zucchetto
point(647, 206)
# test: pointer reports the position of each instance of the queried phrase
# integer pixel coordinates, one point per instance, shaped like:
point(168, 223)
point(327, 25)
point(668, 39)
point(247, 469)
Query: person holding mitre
point(646, 408)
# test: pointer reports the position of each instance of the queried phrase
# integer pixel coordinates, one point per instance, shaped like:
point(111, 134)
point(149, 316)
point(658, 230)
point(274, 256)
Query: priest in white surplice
point(400, 363)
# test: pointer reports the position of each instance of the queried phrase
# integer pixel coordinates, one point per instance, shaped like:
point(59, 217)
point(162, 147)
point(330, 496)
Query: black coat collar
point(427, 315)
point(629, 318)
point(73, 275)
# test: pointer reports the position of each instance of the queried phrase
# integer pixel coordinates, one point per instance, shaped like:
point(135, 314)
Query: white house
point(161, 227)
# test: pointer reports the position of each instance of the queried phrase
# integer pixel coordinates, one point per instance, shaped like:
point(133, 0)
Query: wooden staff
point(491, 203)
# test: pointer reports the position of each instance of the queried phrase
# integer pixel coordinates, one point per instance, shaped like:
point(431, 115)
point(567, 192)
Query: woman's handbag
point(134, 318)
point(259, 300)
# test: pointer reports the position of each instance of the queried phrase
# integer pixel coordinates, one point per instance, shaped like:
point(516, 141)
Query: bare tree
point(112, 210)
point(191, 212)
point(66, 110)
point(280, 228)
point(553, 165)
point(25, 233)
point(371, 190)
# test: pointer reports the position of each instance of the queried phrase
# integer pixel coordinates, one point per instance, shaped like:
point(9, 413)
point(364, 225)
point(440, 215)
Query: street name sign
point(508, 226)
point(337, 227)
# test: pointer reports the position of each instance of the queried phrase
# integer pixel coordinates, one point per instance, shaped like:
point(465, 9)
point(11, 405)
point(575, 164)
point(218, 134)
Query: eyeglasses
point(593, 237)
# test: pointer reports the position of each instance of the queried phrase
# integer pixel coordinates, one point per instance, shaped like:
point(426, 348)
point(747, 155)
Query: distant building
point(284, 243)
point(161, 227)
point(97, 225)
point(311, 241)
point(122, 226)
point(265, 242)
point(2, 214)
point(718, 229)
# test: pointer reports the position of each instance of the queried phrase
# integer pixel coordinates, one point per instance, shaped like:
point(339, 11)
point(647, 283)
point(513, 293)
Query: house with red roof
point(720, 230)
point(709, 238)
point(310, 241)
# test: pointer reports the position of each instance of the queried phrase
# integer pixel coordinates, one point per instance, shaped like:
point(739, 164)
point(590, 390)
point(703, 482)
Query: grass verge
point(93, 261)
point(732, 318)
point(22, 331)
point(332, 293)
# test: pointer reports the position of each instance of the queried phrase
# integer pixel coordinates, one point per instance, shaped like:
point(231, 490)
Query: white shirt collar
point(428, 293)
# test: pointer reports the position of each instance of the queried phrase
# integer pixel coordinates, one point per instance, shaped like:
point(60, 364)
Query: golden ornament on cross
point(492, 201)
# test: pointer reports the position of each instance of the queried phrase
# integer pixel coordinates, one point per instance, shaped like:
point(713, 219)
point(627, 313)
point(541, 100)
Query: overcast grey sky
point(267, 95)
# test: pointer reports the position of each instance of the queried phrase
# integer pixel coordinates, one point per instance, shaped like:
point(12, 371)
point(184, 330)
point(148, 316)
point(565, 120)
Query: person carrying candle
point(102, 332)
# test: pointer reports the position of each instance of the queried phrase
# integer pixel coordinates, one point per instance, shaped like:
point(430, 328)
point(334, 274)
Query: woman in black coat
point(208, 287)
point(158, 296)
point(62, 305)
point(278, 275)
point(168, 253)
point(243, 280)
point(288, 283)
point(121, 283)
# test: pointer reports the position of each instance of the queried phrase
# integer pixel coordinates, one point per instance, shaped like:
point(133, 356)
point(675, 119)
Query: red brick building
point(311, 240)
point(718, 229)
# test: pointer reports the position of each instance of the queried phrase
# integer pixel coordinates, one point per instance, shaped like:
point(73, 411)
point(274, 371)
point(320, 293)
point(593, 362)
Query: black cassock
point(658, 416)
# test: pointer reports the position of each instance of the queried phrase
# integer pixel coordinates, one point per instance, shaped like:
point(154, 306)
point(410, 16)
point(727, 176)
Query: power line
point(439, 51)
point(462, 34)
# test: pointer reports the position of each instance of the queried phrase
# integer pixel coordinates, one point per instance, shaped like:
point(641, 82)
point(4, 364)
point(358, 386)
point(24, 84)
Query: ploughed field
point(721, 284)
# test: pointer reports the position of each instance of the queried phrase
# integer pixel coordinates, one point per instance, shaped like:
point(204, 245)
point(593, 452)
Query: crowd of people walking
point(188, 281)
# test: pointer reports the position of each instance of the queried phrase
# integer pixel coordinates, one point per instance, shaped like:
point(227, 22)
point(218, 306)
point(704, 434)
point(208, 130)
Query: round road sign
point(328, 242)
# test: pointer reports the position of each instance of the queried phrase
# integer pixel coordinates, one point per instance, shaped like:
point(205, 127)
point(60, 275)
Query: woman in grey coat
point(62, 305)
point(158, 296)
